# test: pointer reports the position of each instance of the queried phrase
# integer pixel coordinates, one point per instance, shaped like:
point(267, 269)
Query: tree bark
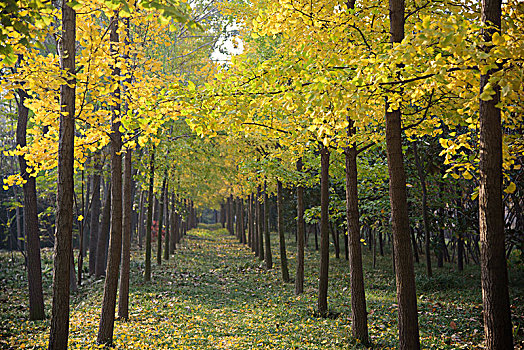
point(95, 214)
point(168, 224)
point(34, 267)
point(161, 220)
point(100, 267)
point(260, 224)
point(425, 218)
point(170, 245)
point(301, 234)
point(494, 272)
point(149, 222)
point(250, 222)
point(59, 331)
point(107, 319)
point(141, 223)
point(280, 228)
point(242, 227)
point(359, 324)
point(324, 232)
point(123, 294)
point(403, 256)
point(268, 254)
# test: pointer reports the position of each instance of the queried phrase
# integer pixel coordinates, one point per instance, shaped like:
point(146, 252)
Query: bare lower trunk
point(161, 220)
point(59, 331)
point(123, 294)
point(260, 225)
point(494, 272)
point(268, 254)
point(324, 232)
point(107, 319)
point(95, 215)
point(100, 267)
point(301, 235)
point(282, 238)
point(359, 324)
point(425, 218)
point(34, 267)
point(149, 221)
point(404, 269)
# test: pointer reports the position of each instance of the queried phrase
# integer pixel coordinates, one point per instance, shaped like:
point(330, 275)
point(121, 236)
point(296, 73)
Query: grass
point(214, 294)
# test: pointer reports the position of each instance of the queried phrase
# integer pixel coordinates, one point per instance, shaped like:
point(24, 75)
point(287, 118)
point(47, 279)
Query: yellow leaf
point(511, 188)
point(80, 217)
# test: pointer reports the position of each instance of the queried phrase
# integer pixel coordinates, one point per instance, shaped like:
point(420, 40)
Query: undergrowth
point(214, 294)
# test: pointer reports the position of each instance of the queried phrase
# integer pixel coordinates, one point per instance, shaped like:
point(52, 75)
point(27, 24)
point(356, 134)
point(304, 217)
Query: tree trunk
point(123, 294)
point(324, 232)
point(141, 223)
point(149, 222)
point(414, 244)
point(404, 269)
point(172, 234)
point(494, 272)
point(161, 220)
point(100, 267)
point(59, 331)
point(280, 228)
point(34, 267)
point(242, 227)
point(334, 235)
point(107, 319)
point(359, 324)
point(425, 218)
point(95, 214)
point(249, 222)
point(81, 235)
point(301, 234)
point(268, 254)
point(168, 224)
point(260, 224)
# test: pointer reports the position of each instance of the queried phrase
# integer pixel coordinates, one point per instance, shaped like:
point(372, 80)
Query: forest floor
point(214, 294)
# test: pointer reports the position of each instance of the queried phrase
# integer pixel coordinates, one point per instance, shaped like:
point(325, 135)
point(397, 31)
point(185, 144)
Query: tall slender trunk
point(141, 223)
point(81, 235)
point(161, 220)
point(404, 269)
point(359, 324)
point(95, 214)
point(260, 224)
point(301, 234)
point(173, 218)
point(268, 254)
point(59, 331)
point(242, 227)
point(250, 221)
point(282, 238)
point(324, 232)
point(494, 271)
point(123, 294)
point(149, 221)
point(107, 319)
point(168, 224)
point(100, 267)
point(127, 194)
point(34, 267)
point(425, 218)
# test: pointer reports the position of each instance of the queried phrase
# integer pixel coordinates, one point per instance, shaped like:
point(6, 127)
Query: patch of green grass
point(214, 294)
